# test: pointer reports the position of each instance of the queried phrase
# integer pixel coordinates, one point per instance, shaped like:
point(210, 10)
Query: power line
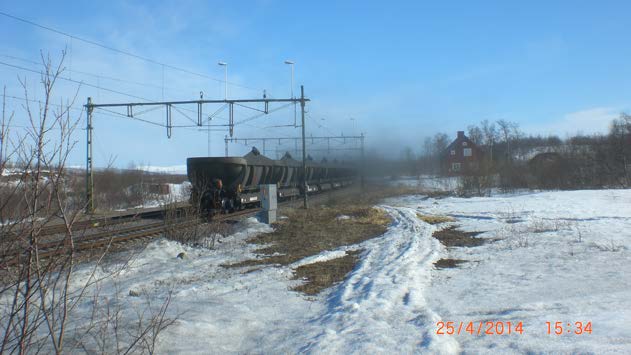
point(149, 60)
point(262, 114)
point(118, 115)
point(41, 103)
point(320, 125)
point(83, 83)
point(75, 81)
point(100, 76)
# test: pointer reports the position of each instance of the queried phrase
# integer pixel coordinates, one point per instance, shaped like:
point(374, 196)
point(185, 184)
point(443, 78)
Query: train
point(226, 184)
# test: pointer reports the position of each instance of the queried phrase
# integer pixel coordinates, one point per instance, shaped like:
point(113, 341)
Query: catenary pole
point(90, 106)
point(89, 209)
point(363, 163)
point(304, 148)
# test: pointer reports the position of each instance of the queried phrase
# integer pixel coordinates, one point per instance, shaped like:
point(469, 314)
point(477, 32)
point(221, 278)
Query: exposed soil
point(335, 220)
point(309, 232)
point(319, 276)
point(434, 219)
point(448, 263)
point(452, 237)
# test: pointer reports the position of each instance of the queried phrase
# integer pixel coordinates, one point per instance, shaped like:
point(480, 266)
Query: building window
point(467, 152)
point(464, 144)
point(453, 152)
point(455, 166)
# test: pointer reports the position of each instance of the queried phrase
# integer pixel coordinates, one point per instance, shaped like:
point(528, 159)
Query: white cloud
point(587, 121)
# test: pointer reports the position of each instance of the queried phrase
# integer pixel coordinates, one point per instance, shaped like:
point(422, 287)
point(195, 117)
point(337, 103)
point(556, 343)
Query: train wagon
point(229, 183)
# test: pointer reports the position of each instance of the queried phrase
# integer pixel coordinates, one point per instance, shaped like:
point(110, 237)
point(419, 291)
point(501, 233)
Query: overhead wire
point(83, 83)
point(118, 114)
point(183, 114)
point(100, 76)
point(262, 114)
point(41, 103)
point(149, 60)
point(99, 87)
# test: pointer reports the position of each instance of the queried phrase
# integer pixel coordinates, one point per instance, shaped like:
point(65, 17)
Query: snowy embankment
point(177, 193)
point(554, 256)
point(380, 307)
point(557, 257)
point(428, 183)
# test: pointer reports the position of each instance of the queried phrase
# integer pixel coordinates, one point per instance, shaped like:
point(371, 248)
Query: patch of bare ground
point(452, 237)
point(309, 232)
point(332, 221)
point(321, 275)
point(448, 263)
point(431, 219)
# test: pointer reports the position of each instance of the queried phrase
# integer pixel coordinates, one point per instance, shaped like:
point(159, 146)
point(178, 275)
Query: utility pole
point(291, 63)
point(363, 162)
point(225, 66)
point(209, 136)
point(89, 180)
point(304, 147)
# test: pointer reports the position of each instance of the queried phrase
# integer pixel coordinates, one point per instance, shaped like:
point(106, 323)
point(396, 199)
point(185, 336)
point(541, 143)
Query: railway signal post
point(268, 202)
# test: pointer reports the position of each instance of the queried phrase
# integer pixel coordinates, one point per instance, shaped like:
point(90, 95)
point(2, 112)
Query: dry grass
point(372, 194)
point(309, 232)
point(434, 219)
point(448, 263)
point(319, 276)
point(452, 237)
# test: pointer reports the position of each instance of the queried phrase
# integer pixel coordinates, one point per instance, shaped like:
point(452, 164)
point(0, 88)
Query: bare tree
point(489, 133)
point(507, 131)
point(475, 134)
point(5, 125)
point(37, 292)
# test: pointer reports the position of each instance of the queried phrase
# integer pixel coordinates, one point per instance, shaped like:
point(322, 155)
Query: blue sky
point(403, 70)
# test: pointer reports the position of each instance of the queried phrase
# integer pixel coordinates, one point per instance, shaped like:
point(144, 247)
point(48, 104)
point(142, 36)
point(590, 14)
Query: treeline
point(513, 159)
point(113, 188)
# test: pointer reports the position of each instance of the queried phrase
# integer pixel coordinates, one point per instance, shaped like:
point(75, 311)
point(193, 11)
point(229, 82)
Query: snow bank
point(382, 307)
point(553, 263)
point(174, 169)
point(428, 183)
point(548, 258)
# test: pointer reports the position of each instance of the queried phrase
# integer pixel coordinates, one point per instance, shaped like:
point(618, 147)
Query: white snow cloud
point(588, 121)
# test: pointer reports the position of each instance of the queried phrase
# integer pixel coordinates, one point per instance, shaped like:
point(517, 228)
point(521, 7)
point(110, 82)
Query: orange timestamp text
point(567, 328)
point(479, 328)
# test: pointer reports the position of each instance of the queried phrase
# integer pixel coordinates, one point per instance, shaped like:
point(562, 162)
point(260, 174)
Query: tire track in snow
point(381, 308)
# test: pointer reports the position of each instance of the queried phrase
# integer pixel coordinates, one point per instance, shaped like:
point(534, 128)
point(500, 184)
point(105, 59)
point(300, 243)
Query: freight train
point(232, 183)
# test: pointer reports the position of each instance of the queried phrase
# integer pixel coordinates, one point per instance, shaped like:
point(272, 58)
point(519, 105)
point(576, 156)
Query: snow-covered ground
point(428, 182)
point(560, 257)
point(174, 169)
point(177, 193)
point(550, 256)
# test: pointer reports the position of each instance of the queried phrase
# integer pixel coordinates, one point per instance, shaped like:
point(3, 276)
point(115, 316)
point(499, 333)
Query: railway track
point(119, 235)
point(87, 224)
point(105, 239)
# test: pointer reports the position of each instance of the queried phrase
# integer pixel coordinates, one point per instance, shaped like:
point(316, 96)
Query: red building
point(462, 156)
